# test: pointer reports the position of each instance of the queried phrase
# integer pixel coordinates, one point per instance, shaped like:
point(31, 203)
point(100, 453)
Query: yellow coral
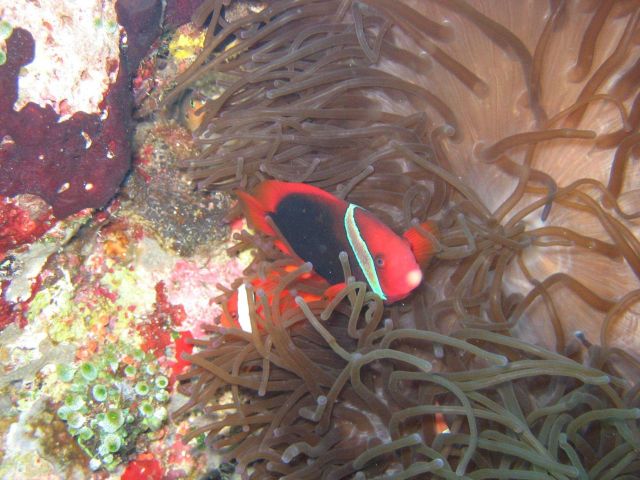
point(185, 46)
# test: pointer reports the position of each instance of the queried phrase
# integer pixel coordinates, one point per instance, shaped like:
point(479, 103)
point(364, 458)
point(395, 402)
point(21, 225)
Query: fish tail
point(255, 214)
point(422, 241)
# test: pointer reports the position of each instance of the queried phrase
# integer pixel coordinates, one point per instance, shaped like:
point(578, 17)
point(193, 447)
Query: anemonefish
point(236, 309)
point(316, 226)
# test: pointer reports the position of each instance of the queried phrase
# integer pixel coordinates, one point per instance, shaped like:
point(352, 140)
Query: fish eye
point(379, 261)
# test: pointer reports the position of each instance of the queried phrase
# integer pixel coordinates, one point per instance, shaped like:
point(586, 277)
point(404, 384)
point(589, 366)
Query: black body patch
point(315, 233)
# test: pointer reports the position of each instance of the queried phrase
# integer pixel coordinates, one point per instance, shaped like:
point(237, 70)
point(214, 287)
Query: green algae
point(5, 32)
point(52, 301)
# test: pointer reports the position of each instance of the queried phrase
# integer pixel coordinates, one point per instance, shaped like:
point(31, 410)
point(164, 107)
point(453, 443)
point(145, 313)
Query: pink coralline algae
point(71, 164)
point(19, 226)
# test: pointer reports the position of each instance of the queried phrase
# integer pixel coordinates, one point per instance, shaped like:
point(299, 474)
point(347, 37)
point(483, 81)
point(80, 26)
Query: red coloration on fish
point(305, 284)
point(421, 245)
point(315, 226)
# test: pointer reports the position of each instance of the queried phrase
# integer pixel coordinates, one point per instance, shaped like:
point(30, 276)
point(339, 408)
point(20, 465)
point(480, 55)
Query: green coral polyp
point(99, 393)
point(5, 30)
point(65, 372)
point(73, 402)
point(162, 396)
point(85, 433)
point(88, 371)
point(146, 409)
point(112, 421)
point(76, 419)
point(64, 412)
point(162, 381)
point(142, 389)
point(100, 404)
point(111, 443)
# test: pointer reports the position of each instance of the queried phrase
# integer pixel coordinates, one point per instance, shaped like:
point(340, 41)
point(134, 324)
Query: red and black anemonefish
point(316, 226)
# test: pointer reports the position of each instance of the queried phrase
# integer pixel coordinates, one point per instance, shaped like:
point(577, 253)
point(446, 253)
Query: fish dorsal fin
point(422, 245)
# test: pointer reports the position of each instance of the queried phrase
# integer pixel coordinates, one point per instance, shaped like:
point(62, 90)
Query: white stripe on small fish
point(244, 318)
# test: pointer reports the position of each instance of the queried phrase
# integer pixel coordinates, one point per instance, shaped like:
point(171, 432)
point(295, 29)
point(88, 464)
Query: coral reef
point(92, 289)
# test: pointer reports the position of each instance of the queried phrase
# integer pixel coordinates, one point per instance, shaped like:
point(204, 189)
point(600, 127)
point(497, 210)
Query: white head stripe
point(361, 251)
point(243, 309)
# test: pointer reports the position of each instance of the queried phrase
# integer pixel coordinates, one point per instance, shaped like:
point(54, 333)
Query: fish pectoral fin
point(255, 213)
point(284, 247)
point(421, 240)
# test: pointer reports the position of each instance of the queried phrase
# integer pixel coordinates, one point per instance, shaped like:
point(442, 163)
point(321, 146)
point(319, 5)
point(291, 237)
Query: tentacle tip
point(289, 454)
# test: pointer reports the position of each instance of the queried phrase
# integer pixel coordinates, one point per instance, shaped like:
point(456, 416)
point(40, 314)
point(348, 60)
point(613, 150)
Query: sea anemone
point(512, 125)
point(332, 389)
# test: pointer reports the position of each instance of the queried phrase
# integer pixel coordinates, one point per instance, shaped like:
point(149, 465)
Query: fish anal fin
point(422, 245)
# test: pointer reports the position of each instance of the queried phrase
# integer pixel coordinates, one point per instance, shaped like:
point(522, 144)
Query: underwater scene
point(320, 239)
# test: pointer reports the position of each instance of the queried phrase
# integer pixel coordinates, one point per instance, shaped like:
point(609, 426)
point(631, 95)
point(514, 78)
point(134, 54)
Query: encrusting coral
point(513, 130)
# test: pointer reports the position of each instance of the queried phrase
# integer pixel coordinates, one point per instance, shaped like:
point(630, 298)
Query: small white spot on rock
point(87, 140)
